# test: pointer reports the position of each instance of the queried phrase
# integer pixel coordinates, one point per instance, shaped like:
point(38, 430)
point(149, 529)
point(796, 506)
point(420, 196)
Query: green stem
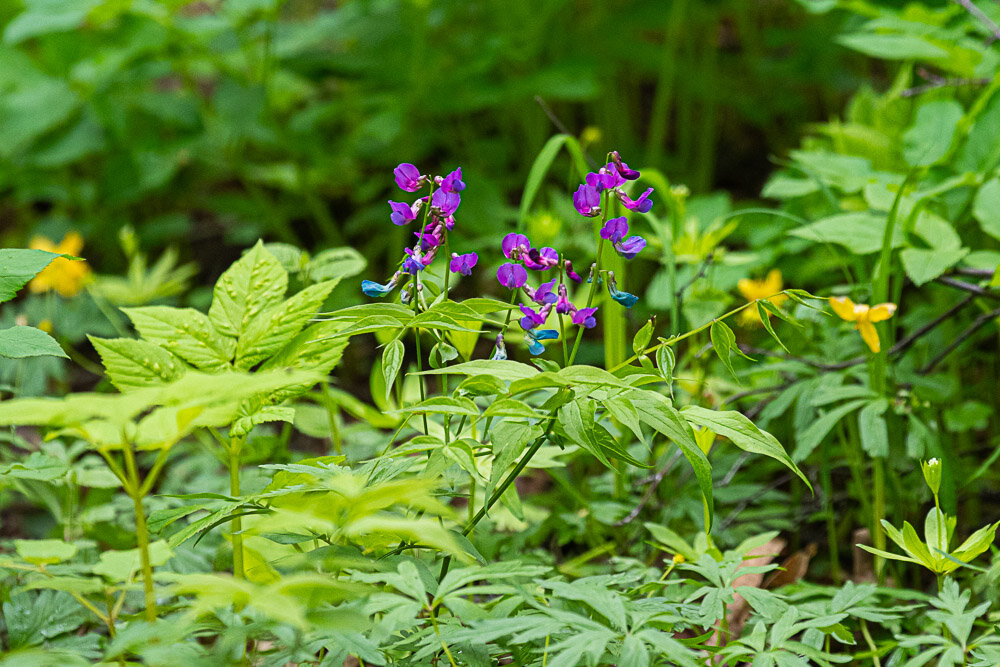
point(826, 480)
point(499, 491)
point(141, 531)
point(590, 302)
point(236, 523)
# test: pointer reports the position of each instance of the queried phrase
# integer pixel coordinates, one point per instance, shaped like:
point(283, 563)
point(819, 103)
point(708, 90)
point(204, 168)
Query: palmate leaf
point(131, 364)
point(270, 331)
point(186, 332)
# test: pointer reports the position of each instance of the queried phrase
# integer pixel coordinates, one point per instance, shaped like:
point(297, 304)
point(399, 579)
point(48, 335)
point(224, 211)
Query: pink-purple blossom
point(463, 263)
point(408, 177)
point(587, 201)
point(512, 276)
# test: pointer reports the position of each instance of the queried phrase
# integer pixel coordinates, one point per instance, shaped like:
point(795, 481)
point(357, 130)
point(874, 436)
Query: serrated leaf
point(269, 413)
point(271, 330)
point(132, 363)
point(19, 342)
point(186, 332)
point(252, 285)
point(18, 266)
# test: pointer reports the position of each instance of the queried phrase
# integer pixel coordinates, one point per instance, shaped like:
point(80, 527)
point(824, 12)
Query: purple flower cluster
point(439, 218)
point(610, 178)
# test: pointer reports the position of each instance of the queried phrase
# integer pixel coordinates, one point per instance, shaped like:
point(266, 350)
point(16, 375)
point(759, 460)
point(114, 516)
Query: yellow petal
point(772, 284)
point(869, 335)
point(71, 244)
point(881, 312)
point(42, 243)
point(748, 288)
point(844, 308)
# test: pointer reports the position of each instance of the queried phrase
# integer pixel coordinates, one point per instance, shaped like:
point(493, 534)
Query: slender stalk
point(590, 302)
point(502, 487)
point(236, 523)
point(141, 531)
point(826, 480)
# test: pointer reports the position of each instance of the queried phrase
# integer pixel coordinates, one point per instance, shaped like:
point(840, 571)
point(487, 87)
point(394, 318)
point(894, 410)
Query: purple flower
point(563, 304)
point(402, 213)
point(445, 202)
point(514, 245)
point(585, 317)
point(453, 182)
point(573, 275)
point(642, 204)
point(630, 247)
point(463, 263)
point(606, 178)
point(615, 229)
point(408, 177)
point(623, 169)
point(415, 261)
point(532, 319)
point(543, 294)
point(500, 353)
point(540, 260)
point(512, 276)
point(587, 201)
point(533, 337)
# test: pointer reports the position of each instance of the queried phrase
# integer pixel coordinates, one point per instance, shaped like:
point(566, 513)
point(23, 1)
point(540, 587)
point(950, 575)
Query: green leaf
point(18, 266)
point(271, 330)
point(642, 338)
point(763, 311)
point(252, 285)
point(923, 266)
point(986, 207)
point(23, 341)
point(724, 343)
point(37, 466)
point(505, 370)
point(656, 411)
point(809, 439)
point(392, 361)
point(860, 232)
point(874, 433)
point(977, 543)
point(665, 361)
point(932, 133)
point(186, 332)
point(119, 566)
point(269, 413)
point(743, 433)
point(42, 18)
point(624, 410)
point(132, 363)
point(335, 264)
point(442, 405)
point(892, 46)
point(44, 552)
point(509, 440)
point(540, 167)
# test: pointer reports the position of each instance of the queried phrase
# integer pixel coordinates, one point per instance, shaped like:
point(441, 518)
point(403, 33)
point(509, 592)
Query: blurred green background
point(210, 124)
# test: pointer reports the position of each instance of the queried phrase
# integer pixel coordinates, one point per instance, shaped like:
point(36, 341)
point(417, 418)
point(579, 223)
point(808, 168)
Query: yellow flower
point(65, 276)
point(752, 290)
point(864, 316)
point(45, 325)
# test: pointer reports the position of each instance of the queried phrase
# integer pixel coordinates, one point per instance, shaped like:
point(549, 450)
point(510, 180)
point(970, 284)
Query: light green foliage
point(17, 267)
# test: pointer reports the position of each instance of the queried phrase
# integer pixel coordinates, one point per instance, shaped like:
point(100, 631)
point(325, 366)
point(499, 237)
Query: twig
point(935, 81)
point(561, 127)
point(976, 325)
point(702, 270)
point(968, 287)
point(654, 482)
point(981, 273)
point(901, 346)
point(983, 18)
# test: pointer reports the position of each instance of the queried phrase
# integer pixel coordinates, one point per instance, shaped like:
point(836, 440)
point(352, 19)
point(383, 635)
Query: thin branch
point(936, 81)
point(980, 273)
point(968, 287)
point(901, 346)
point(561, 127)
point(654, 482)
point(983, 18)
point(976, 325)
point(702, 270)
